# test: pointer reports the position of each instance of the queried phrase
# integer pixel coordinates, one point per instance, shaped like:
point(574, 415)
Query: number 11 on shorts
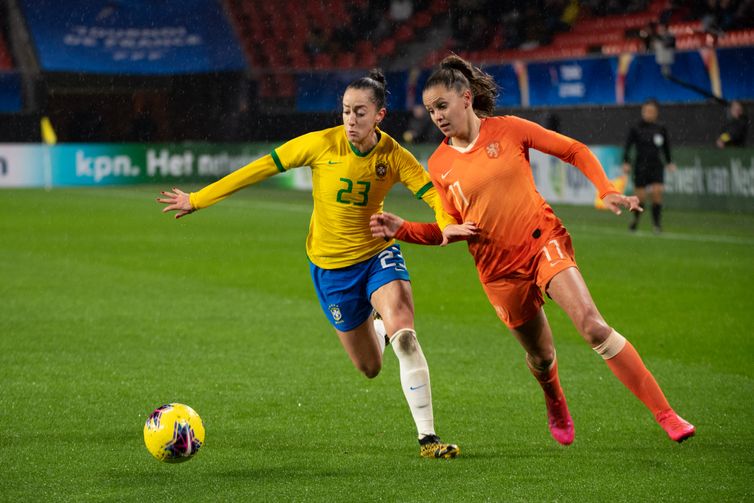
point(553, 244)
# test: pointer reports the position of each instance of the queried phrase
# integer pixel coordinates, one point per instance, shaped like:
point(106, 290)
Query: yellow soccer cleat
point(432, 447)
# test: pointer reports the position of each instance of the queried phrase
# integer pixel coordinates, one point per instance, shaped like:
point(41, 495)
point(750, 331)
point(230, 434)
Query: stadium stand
point(280, 38)
point(290, 44)
point(558, 33)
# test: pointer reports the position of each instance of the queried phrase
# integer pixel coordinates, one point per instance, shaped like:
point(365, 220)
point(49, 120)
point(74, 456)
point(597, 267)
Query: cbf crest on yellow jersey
point(348, 186)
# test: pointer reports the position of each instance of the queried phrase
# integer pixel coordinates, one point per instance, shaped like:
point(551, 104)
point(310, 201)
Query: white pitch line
point(700, 238)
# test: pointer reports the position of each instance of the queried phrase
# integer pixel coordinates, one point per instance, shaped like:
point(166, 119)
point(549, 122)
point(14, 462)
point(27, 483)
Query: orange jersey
point(492, 185)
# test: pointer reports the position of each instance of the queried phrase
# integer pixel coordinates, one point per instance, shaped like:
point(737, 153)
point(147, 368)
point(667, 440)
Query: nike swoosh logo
point(416, 388)
point(446, 174)
point(334, 162)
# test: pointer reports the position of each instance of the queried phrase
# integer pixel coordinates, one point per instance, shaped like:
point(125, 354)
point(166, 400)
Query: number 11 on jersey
point(460, 199)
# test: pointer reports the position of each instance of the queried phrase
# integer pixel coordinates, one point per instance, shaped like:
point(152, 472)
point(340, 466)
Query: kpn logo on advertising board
point(140, 163)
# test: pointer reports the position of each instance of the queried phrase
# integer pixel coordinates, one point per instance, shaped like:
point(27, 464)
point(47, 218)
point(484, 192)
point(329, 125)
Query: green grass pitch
point(110, 308)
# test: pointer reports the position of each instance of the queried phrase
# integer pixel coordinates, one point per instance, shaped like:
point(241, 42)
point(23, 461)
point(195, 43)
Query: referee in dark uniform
point(650, 140)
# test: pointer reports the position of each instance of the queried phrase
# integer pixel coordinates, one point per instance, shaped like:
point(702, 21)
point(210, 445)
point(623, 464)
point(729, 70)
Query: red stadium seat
point(632, 45)
point(322, 61)
point(403, 34)
point(386, 47)
point(421, 20)
point(6, 62)
point(693, 41)
point(346, 60)
point(587, 39)
point(685, 28)
point(737, 38)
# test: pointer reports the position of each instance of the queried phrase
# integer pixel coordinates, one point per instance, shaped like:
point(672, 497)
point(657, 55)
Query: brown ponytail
point(458, 74)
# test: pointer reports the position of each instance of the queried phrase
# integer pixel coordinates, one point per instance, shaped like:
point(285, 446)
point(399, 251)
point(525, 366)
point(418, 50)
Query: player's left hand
point(671, 167)
point(614, 202)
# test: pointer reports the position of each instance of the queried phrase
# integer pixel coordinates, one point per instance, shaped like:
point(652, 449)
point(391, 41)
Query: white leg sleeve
point(379, 328)
point(414, 379)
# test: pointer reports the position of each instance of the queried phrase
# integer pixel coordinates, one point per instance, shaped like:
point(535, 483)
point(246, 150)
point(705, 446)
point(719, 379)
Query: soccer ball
point(174, 433)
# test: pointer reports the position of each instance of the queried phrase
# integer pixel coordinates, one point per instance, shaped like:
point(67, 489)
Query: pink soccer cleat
point(677, 428)
point(559, 420)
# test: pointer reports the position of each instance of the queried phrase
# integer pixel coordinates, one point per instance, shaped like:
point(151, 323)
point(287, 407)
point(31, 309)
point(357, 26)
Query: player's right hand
point(626, 168)
point(176, 200)
point(459, 232)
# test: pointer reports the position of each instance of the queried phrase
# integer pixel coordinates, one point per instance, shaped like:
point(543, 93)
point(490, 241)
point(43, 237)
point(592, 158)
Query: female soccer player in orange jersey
point(521, 249)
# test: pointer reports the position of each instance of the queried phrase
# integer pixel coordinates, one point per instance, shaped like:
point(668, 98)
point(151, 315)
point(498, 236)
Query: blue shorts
point(345, 293)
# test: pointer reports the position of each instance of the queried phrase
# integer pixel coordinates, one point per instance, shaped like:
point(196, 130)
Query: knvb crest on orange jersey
point(493, 150)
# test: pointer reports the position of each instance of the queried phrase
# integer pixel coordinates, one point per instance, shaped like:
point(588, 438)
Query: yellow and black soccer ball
point(174, 433)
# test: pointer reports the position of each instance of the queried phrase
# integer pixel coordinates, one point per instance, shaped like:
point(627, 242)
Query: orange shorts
point(517, 298)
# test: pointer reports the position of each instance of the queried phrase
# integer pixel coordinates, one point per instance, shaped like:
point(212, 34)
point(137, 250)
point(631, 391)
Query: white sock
point(379, 328)
point(414, 379)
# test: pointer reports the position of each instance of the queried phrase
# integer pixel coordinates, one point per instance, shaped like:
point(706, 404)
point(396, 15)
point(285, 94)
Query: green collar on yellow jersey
point(359, 153)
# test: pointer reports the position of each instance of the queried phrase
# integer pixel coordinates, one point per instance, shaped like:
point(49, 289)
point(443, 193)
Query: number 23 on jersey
point(360, 196)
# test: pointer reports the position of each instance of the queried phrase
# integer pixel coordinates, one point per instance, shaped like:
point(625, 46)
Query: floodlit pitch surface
point(109, 308)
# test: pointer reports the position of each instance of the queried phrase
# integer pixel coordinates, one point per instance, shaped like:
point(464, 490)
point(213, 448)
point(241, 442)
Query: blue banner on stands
point(323, 91)
point(572, 82)
point(586, 81)
point(506, 78)
point(737, 72)
point(645, 80)
point(132, 36)
point(10, 92)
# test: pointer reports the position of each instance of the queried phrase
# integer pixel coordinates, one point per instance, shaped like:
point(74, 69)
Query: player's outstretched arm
point(614, 202)
point(176, 200)
point(388, 226)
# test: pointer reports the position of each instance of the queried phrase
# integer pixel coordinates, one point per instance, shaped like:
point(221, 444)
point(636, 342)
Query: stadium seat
point(587, 39)
point(6, 62)
point(421, 20)
point(346, 60)
point(693, 41)
point(386, 47)
point(685, 28)
point(737, 38)
point(322, 61)
point(631, 45)
point(403, 34)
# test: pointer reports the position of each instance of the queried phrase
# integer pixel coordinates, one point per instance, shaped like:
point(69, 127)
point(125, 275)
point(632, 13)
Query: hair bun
point(455, 62)
point(377, 75)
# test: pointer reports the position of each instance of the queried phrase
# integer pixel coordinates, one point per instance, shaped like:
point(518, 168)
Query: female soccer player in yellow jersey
point(353, 168)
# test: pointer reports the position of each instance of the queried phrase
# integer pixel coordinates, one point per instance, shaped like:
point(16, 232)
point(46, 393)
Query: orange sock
point(630, 370)
point(548, 379)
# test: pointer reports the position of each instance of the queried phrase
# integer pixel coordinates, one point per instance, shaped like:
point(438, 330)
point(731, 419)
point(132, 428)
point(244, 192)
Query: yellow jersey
point(348, 186)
